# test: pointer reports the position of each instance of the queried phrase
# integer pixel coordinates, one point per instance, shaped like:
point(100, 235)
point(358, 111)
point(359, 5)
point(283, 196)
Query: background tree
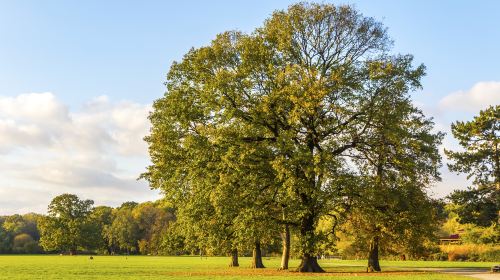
point(67, 225)
point(154, 222)
point(25, 244)
point(400, 157)
point(22, 232)
point(480, 160)
point(14, 224)
point(31, 225)
point(5, 240)
point(124, 231)
point(102, 218)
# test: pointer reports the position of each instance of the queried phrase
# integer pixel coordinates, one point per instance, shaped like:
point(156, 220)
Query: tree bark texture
point(286, 248)
point(234, 258)
point(309, 262)
point(257, 256)
point(373, 263)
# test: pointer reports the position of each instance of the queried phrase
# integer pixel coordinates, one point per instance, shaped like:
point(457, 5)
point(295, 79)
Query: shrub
point(439, 256)
point(490, 256)
point(471, 252)
point(453, 256)
point(23, 243)
point(482, 235)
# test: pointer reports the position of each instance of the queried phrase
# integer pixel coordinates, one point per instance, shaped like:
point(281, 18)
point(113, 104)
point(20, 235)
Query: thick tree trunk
point(234, 258)
point(309, 262)
point(286, 248)
point(373, 263)
point(257, 256)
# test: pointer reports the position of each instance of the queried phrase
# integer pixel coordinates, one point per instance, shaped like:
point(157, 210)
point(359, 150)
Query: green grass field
point(145, 267)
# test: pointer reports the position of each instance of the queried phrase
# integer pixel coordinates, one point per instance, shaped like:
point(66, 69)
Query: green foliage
point(128, 205)
point(471, 252)
point(154, 224)
point(25, 244)
point(397, 161)
point(19, 233)
point(481, 140)
point(256, 122)
point(480, 159)
point(482, 235)
point(124, 231)
point(14, 224)
point(67, 227)
point(489, 256)
point(5, 241)
point(102, 217)
point(75, 225)
point(476, 205)
point(173, 242)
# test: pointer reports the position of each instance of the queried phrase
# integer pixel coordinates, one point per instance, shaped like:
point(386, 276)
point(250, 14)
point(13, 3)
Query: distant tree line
point(74, 226)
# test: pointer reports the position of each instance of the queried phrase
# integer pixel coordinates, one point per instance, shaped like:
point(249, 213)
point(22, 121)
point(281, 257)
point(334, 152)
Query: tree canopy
point(67, 224)
point(299, 95)
point(480, 160)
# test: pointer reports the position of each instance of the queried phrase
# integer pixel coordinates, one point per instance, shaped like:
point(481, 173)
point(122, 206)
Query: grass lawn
point(144, 267)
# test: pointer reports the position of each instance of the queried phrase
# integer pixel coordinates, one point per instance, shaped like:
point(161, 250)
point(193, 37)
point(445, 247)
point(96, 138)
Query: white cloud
point(97, 150)
point(480, 96)
point(458, 106)
point(14, 134)
point(37, 107)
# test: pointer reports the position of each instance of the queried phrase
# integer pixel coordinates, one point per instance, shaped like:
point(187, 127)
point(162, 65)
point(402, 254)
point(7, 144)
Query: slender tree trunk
point(286, 248)
point(234, 258)
point(257, 256)
point(309, 261)
point(373, 263)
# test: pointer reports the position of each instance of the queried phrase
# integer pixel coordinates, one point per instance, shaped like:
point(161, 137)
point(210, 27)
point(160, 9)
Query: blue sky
point(98, 65)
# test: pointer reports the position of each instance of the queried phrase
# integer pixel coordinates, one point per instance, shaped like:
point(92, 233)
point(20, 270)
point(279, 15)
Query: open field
point(143, 267)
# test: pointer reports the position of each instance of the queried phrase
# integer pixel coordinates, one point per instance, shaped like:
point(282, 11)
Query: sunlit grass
point(143, 267)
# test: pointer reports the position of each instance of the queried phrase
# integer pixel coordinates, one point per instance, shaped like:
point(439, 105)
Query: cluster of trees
point(307, 121)
point(398, 220)
point(19, 234)
point(305, 128)
point(73, 225)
